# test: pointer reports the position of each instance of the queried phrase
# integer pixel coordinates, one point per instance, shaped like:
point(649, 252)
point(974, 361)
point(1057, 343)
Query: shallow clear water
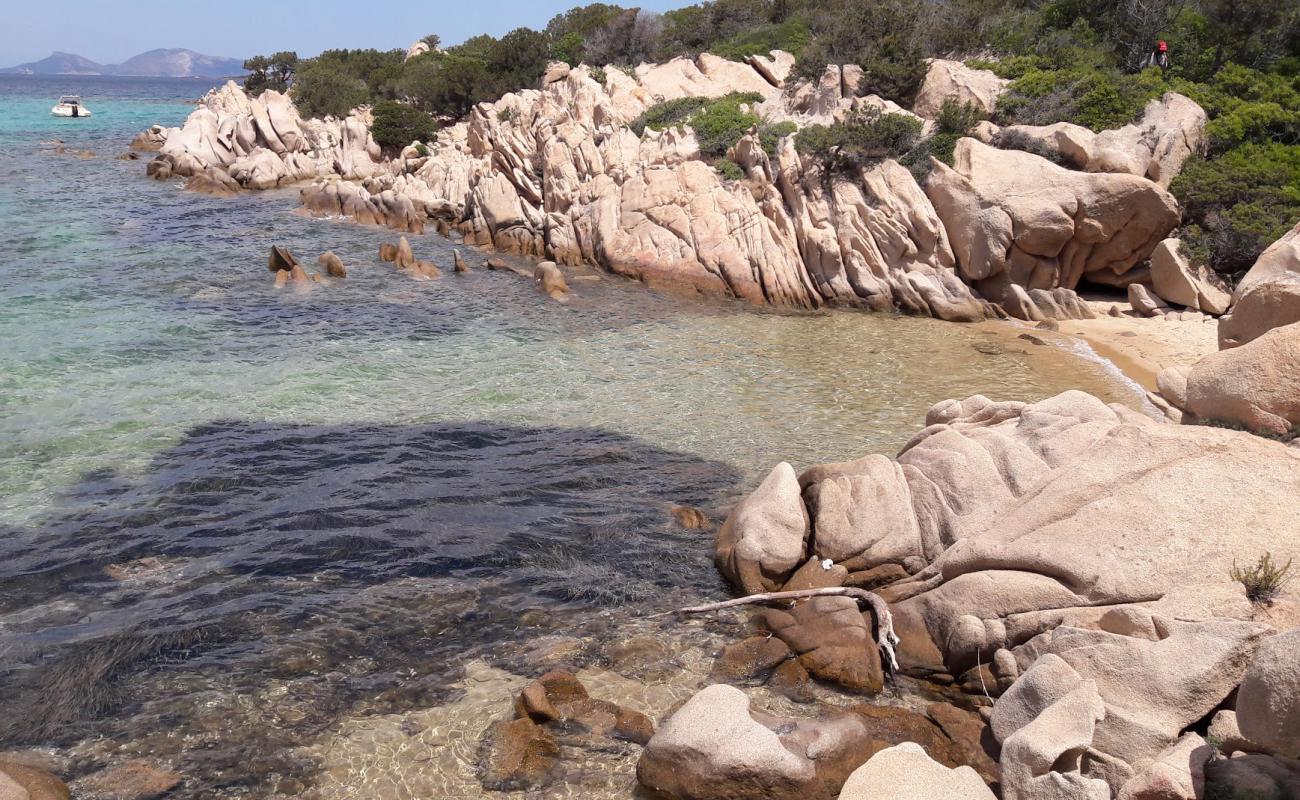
point(233, 518)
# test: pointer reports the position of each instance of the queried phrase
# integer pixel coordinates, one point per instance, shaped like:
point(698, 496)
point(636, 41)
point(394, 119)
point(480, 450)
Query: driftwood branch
point(885, 638)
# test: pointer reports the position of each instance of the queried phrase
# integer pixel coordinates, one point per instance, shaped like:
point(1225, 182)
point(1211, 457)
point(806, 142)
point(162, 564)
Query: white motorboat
point(70, 105)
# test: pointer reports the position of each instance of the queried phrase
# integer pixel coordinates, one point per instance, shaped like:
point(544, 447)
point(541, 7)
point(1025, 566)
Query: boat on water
point(70, 105)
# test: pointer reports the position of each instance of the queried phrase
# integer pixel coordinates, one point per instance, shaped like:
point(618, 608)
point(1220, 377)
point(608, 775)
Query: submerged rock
point(518, 754)
point(133, 780)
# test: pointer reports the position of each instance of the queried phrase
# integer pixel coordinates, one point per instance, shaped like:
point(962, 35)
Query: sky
point(110, 33)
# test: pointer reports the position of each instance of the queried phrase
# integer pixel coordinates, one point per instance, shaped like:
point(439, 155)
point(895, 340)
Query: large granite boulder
point(1016, 220)
point(905, 772)
point(1255, 385)
point(953, 80)
point(1191, 285)
point(763, 539)
point(1280, 258)
point(1259, 308)
point(1268, 703)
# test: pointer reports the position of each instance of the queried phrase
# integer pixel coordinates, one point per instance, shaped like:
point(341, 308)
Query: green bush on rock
point(397, 125)
point(864, 137)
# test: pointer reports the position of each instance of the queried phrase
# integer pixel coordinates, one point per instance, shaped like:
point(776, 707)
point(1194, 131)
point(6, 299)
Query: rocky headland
point(1092, 580)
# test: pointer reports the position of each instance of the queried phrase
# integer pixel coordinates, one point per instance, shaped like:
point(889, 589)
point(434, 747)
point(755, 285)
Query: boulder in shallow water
point(388, 252)
point(133, 780)
point(333, 265)
point(281, 259)
point(551, 280)
point(459, 261)
point(22, 782)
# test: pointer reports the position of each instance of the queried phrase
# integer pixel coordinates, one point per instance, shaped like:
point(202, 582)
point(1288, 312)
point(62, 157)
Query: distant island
point(160, 63)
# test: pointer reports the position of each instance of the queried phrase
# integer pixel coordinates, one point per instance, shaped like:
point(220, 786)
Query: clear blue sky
point(111, 32)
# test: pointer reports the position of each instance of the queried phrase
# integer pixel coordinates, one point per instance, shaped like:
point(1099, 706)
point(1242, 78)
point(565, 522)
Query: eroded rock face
point(954, 80)
point(554, 174)
point(1017, 220)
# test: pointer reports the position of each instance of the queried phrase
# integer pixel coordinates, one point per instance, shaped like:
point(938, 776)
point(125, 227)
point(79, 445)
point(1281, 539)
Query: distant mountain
point(161, 63)
point(176, 63)
point(58, 64)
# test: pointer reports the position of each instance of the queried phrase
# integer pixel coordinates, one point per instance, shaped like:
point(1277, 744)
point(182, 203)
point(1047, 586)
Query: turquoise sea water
point(283, 472)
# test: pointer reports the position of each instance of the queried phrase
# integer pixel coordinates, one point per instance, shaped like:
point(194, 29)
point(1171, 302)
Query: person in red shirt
point(1160, 57)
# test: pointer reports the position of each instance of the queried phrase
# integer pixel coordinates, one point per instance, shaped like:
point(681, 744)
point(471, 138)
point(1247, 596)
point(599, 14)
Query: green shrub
point(791, 36)
point(721, 123)
point(718, 123)
point(597, 74)
point(667, 114)
point(958, 118)
point(884, 37)
point(729, 169)
point(337, 81)
point(397, 125)
point(861, 139)
point(770, 135)
point(1238, 204)
point(1094, 98)
point(1265, 580)
point(422, 149)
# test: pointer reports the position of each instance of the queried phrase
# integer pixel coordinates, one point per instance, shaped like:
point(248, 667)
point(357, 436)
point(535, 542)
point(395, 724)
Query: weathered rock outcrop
point(953, 80)
point(1171, 130)
point(1017, 222)
point(262, 142)
point(555, 173)
point(1075, 552)
point(718, 747)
